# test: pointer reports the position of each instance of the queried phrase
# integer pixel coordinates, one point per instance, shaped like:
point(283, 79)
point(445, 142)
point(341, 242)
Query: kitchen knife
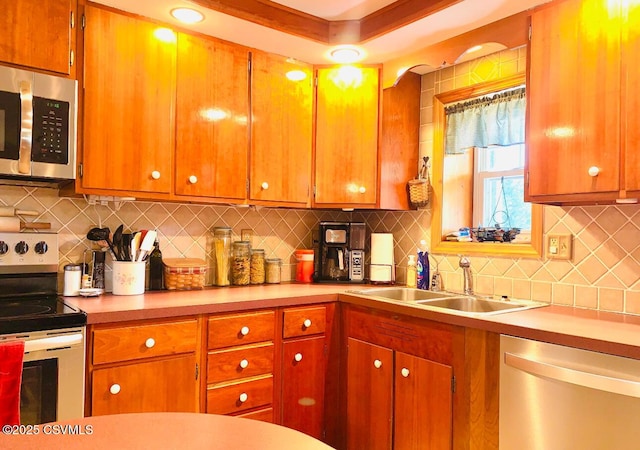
point(10, 211)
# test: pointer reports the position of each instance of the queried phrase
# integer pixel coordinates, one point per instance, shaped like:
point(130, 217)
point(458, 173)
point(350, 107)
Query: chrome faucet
point(465, 264)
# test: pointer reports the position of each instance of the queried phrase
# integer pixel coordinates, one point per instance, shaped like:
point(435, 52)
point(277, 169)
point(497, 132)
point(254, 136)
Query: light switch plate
point(559, 246)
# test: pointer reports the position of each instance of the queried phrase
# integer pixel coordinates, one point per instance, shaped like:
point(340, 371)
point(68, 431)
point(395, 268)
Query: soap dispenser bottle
point(411, 272)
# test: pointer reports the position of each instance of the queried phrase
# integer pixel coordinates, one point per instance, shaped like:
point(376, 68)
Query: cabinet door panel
point(303, 385)
point(423, 404)
point(129, 104)
point(631, 52)
point(574, 99)
point(347, 128)
point(281, 130)
point(369, 396)
point(39, 34)
point(212, 142)
point(167, 385)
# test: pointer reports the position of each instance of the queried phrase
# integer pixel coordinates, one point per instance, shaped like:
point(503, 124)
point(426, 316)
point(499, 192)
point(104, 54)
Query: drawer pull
point(244, 331)
point(150, 343)
point(243, 397)
point(298, 357)
point(377, 363)
point(114, 389)
point(405, 372)
point(155, 175)
point(307, 323)
point(244, 363)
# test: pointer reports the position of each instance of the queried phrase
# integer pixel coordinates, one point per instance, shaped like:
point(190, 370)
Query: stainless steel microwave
point(38, 121)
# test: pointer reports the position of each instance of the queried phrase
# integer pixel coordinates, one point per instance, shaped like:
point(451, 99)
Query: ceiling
point(308, 29)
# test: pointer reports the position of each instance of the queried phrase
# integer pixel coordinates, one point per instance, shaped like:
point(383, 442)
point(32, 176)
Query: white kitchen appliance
point(382, 269)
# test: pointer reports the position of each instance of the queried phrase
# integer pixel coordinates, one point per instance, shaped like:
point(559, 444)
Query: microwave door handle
point(26, 127)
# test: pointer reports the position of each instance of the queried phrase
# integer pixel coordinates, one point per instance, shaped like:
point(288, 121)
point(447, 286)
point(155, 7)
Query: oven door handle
point(52, 343)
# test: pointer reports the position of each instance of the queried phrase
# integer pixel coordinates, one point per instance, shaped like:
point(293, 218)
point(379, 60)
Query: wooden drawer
point(264, 415)
point(227, 398)
point(304, 321)
point(143, 341)
point(241, 329)
point(227, 365)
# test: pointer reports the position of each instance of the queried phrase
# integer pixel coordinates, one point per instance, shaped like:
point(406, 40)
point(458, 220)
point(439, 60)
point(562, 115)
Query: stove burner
point(14, 310)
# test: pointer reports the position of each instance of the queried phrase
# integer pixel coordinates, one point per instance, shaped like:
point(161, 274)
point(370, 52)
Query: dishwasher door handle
point(605, 383)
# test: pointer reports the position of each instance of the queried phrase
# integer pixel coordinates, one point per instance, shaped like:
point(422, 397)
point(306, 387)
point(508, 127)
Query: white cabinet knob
point(244, 363)
point(114, 389)
point(405, 372)
point(264, 185)
point(307, 323)
point(594, 171)
point(149, 343)
point(244, 331)
point(243, 397)
point(362, 189)
point(298, 357)
point(377, 364)
point(193, 179)
point(155, 175)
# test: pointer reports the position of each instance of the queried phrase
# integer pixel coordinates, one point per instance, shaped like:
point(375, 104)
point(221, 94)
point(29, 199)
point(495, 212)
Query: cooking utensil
point(126, 246)
point(10, 211)
point(102, 234)
point(117, 242)
point(135, 245)
point(147, 244)
point(17, 224)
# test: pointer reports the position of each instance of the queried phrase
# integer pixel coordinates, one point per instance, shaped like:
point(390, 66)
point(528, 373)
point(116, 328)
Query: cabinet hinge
point(249, 65)
point(84, 22)
point(526, 179)
point(72, 20)
point(314, 191)
point(197, 370)
point(453, 384)
point(530, 32)
point(80, 170)
point(246, 186)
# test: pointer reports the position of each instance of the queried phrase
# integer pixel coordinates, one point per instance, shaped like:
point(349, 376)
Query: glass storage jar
point(222, 250)
point(257, 266)
point(273, 267)
point(240, 265)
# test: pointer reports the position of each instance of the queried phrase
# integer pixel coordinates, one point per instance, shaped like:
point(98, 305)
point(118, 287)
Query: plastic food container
point(184, 273)
point(304, 268)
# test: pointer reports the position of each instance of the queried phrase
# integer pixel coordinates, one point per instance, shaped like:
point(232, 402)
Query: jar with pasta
point(240, 263)
point(257, 266)
point(222, 250)
point(273, 267)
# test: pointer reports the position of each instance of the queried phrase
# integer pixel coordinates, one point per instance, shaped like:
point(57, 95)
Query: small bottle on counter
point(257, 266)
point(240, 263)
point(72, 279)
point(156, 271)
point(273, 267)
point(411, 272)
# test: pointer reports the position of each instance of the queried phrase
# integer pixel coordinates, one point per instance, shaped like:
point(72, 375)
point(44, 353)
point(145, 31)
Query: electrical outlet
point(559, 246)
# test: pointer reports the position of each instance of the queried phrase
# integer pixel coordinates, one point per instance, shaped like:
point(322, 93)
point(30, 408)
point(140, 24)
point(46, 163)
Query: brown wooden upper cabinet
point(41, 36)
point(212, 140)
point(129, 104)
point(281, 130)
point(583, 103)
point(346, 136)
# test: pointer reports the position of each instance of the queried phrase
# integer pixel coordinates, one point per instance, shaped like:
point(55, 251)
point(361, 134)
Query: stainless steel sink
point(403, 294)
point(448, 302)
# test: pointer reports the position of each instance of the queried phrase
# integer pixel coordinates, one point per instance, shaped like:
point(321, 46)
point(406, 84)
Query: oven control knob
point(22, 247)
point(41, 248)
point(4, 248)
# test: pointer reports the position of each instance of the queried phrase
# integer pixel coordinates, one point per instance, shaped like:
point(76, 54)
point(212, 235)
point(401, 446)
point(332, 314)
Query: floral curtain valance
point(491, 120)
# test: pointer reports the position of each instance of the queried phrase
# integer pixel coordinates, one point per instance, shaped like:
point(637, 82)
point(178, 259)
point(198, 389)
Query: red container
point(304, 268)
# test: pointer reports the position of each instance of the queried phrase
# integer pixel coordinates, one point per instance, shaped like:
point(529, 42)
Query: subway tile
point(611, 300)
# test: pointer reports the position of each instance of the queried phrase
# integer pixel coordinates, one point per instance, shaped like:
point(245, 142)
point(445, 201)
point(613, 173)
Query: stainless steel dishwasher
point(554, 397)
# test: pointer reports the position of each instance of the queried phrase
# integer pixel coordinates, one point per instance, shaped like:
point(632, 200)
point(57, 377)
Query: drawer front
point(241, 329)
point(243, 362)
point(304, 321)
point(144, 341)
point(235, 397)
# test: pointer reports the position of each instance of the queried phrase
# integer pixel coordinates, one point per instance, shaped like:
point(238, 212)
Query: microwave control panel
point(50, 131)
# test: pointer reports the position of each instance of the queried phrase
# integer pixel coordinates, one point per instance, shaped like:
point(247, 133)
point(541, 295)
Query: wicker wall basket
point(419, 187)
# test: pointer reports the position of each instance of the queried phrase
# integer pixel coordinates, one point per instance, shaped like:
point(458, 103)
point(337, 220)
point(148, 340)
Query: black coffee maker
point(339, 252)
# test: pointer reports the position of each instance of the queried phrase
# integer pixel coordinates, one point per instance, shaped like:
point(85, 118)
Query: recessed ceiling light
point(296, 75)
point(345, 55)
point(187, 15)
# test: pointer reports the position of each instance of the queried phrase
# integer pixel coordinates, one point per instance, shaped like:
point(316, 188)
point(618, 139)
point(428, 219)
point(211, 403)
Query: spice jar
point(273, 267)
point(222, 249)
point(240, 265)
point(257, 266)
